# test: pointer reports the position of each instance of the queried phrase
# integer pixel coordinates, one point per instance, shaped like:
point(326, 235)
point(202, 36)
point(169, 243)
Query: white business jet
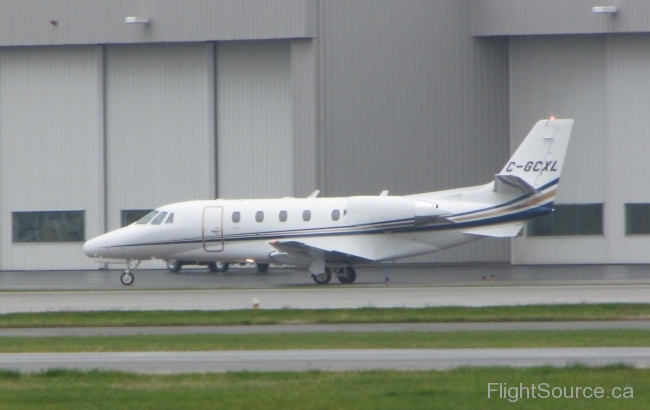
point(332, 235)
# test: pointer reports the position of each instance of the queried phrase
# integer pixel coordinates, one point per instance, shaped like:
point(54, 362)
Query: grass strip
point(370, 340)
point(463, 388)
point(303, 316)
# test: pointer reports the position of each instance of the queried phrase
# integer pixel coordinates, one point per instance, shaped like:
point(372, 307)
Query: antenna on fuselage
point(314, 194)
point(384, 193)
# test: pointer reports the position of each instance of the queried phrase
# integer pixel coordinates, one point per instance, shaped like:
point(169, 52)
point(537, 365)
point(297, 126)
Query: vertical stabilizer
point(539, 159)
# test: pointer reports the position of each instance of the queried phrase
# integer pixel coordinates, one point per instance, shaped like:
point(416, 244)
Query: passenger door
point(212, 229)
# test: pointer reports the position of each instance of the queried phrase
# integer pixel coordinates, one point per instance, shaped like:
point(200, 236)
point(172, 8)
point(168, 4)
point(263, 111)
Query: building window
point(48, 226)
point(283, 216)
point(637, 219)
point(336, 214)
point(259, 216)
point(236, 217)
point(130, 216)
point(569, 220)
point(306, 215)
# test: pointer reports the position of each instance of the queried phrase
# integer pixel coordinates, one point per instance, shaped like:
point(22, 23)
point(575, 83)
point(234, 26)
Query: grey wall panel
point(304, 88)
point(563, 77)
point(160, 126)
point(525, 17)
point(50, 147)
point(255, 126)
point(27, 22)
point(603, 83)
point(412, 102)
point(628, 143)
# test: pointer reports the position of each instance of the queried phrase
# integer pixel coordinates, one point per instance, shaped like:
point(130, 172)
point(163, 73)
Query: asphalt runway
point(320, 298)
point(399, 275)
point(326, 360)
point(327, 328)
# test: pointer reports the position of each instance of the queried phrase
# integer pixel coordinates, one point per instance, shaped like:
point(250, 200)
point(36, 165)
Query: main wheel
point(323, 278)
point(127, 278)
point(220, 266)
point(349, 276)
point(174, 266)
point(262, 267)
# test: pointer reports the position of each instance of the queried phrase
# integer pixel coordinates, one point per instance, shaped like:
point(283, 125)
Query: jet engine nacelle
point(361, 210)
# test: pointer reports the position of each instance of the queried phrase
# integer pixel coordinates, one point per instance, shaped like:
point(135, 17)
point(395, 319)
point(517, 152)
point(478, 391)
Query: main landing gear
point(127, 277)
point(344, 275)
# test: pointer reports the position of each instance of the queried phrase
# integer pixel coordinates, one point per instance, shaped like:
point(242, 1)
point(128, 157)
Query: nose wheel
point(127, 278)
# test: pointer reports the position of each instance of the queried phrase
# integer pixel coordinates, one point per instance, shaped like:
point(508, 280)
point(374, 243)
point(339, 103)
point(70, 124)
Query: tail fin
point(536, 166)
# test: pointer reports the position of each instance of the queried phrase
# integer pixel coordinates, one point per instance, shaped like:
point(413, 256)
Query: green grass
point(377, 340)
point(463, 388)
point(298, 316)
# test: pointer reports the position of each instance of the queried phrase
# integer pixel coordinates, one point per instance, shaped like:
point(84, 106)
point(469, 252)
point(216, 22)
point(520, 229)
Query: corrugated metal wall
point(50, 147)
point(27, 22)
point(527, 17)
point(255, 123)
point(160, 128)
point(413, 103)
point(602, 82)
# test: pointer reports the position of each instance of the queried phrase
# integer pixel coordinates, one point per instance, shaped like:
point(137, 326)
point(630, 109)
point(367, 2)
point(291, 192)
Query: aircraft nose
point(92, 248)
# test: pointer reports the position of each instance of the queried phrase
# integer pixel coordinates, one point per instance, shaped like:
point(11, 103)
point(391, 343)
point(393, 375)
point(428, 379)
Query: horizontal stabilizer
point(512, 184)
point(497, 231)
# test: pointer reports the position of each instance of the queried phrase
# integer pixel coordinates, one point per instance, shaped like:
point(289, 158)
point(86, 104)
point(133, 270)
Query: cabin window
point(259, 216)
point(170, 219)
point(129, 216)
point(48, 226)
point(283, 216)
point(148, 217)
point(236, 217)
point(306, 215)
point(336, 215)
point(159, 219)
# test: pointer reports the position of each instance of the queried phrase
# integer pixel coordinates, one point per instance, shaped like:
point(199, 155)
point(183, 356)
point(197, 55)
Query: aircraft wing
point(349, 250)
point(498, 231)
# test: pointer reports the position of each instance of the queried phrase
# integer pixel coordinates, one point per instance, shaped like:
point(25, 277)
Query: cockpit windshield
point(148, 217)
point(158, 220)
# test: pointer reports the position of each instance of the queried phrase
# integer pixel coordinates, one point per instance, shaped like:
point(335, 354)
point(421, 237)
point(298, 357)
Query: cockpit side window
point(170, 219)
point(159, 219)
point(148, 217)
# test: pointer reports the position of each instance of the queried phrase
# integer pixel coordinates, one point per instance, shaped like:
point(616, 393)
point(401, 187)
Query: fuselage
point(245, 230)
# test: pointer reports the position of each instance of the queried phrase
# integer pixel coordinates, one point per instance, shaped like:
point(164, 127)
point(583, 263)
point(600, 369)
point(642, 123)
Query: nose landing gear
point(127, 277)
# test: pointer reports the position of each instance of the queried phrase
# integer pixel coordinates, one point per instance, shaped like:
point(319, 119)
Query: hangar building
point(109, 108)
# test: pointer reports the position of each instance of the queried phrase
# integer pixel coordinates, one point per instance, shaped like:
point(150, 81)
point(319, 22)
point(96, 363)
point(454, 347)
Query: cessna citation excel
point(332, 235)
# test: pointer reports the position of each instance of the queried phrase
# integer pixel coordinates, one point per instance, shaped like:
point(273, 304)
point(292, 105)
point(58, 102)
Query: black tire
point(348, 276)
point(212, 266)
point(221, 266)
point(174, 266)
point(262, 267)
point(127, 278)
point(323, 278)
